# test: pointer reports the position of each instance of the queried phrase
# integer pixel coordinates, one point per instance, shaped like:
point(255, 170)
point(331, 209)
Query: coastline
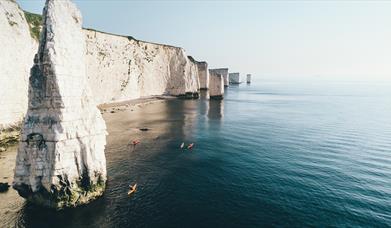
point(9, 136)
point(113, 113)
point(129, 104)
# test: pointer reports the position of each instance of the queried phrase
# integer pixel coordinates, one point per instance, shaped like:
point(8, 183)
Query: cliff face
point(118, 68)
point(203, 74)
point(122, 68)
point(16, 58)
point(61, 161)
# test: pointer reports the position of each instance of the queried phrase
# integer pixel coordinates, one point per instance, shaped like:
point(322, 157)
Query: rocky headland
point(55, 76)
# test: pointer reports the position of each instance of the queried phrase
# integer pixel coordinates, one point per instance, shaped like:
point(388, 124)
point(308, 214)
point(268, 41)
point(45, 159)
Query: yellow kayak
point(132, 189)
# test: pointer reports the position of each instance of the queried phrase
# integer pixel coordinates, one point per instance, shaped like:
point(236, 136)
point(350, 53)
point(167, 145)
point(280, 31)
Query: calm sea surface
point(271, 154)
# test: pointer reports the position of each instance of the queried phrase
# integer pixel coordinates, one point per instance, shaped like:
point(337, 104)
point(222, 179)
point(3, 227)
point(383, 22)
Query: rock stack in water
point(203, 74)
point(224, 73)
point(61, 161)
point(216, 85)
point(234, 78)
point(248, 78)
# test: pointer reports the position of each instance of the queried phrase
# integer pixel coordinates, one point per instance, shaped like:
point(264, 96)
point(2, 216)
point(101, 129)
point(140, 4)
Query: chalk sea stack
point(61, 161)
point(203, 75)
point(234, 78)
point(224, 73)
point(248, 78)
point(216, 82)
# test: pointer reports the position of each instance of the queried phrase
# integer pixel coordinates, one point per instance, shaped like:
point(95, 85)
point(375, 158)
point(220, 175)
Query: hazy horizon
point(292, 40)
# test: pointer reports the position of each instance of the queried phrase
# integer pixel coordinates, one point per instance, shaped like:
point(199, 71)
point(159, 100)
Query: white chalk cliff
point(203, 73)
point(60, 161)
point(121, 68)
point(118, 68)
point(16, 58)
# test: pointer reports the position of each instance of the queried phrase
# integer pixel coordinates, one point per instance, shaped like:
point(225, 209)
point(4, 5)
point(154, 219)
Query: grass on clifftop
point(35, 24)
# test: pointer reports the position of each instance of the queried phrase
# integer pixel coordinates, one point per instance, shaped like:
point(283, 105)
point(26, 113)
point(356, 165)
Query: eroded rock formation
point(234, 78)
point(248, 78)
point(203, 73)
point(118, 67)
point(216, 85)
point(224, 73)
point(60, 161)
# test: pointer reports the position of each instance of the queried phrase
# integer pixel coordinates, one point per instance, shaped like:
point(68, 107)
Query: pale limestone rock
point(61, 161)
point(234, 78)
point(224, 73)
point(203, 75)
point(226, 82)
point(122, 68)
point(248, 79)
point(216, 85)
point(16, 58)
point(118, 68)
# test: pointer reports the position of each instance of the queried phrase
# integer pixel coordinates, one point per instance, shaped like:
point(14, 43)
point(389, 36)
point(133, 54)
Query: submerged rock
point(189, 95)
point(60, 161)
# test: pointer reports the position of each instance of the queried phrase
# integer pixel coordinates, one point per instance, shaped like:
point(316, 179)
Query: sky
point(348, 40)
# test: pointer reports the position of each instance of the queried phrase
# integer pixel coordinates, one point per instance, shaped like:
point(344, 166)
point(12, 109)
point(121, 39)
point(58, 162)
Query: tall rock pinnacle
point(61, 161)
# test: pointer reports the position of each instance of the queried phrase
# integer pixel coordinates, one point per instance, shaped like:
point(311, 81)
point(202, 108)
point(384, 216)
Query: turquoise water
point(272, 154)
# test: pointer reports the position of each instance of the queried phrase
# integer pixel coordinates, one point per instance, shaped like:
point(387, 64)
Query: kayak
point(190, 146)
point(132, 189)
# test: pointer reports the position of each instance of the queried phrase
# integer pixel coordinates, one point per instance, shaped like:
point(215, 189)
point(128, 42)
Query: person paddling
point(135, 143)
point(132, 189)
point(190, 146)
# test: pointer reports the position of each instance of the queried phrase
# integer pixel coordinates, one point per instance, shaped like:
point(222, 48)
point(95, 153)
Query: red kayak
point(190, 146)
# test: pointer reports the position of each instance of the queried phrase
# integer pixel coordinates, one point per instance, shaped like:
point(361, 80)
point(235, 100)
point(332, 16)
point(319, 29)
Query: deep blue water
point(272, 154)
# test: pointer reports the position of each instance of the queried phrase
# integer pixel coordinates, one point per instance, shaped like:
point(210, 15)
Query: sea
point(271, 154)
